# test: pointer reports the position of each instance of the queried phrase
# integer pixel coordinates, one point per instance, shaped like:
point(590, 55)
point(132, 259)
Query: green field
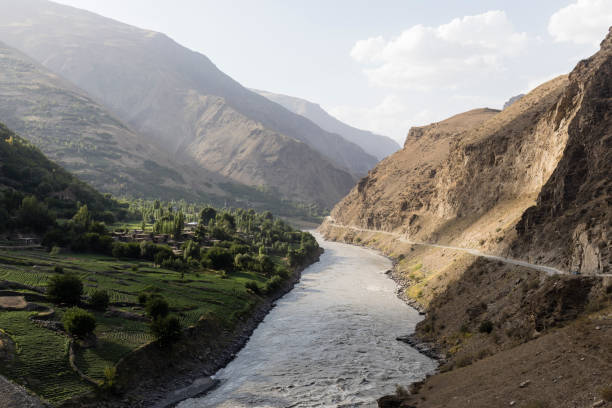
point(41, 360)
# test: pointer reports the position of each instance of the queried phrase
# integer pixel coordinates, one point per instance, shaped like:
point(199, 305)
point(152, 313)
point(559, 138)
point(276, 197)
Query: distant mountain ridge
point(184, 104)
point(377, 145)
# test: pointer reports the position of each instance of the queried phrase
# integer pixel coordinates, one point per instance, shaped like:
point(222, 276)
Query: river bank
point(331, 341)
point(149, 376)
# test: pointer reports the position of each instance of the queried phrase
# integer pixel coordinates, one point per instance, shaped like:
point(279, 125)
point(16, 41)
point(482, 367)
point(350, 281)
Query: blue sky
point(380, 65)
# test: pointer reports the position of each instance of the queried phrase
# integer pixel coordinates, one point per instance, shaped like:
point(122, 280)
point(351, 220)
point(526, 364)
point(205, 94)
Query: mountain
point(376, 145)
point(500, 225)
point(86, 139)
point(512, 100)
point(184, 104)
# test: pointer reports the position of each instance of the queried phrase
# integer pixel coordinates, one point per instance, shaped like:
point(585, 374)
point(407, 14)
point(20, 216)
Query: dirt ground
point(13, 302)
point(566, 368)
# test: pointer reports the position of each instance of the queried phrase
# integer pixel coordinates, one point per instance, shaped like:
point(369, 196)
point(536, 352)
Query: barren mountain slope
point(75, 131)
point(163, 89)
point(377, 145)
point(452, 177)
point(570, 225)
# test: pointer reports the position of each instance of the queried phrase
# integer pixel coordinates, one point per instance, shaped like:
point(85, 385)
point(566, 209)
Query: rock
point(597, 327)
point(599, 403)
point(512, 403)
point(525, 383)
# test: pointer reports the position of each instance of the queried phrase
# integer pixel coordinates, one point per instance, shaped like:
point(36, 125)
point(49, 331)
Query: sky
point(382, 65)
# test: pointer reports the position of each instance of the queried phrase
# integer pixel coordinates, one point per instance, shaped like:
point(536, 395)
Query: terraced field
point(41, 360)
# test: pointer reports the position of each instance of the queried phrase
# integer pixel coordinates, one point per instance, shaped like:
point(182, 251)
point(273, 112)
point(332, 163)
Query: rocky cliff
point(470, 180)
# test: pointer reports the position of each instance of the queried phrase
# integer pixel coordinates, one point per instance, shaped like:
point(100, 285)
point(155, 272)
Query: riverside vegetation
point(74, 306)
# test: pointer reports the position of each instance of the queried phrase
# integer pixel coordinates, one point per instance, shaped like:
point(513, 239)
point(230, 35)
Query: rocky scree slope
point(377, 145)
point(180, 100)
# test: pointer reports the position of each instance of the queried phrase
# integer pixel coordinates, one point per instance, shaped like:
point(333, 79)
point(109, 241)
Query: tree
point(179, 224)
point(219, 258)
point(207, 214)
point(34, 215)
point(78, 322)
point(82, 218)
point(157, 307)
point(166, 329)
point(99, 300)
point(65, 289)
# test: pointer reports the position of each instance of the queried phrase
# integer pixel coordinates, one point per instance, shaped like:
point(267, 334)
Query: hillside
point(530, 183)
point(25, 171)
point(183, 103)
point(376, 145)
point(78, 133)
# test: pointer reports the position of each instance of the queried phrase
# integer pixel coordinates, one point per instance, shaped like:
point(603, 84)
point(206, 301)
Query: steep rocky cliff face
point(451, 180)
point(570, 224)
point(473, 179)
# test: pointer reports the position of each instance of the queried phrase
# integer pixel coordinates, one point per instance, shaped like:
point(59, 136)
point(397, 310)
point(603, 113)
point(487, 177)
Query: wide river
point(330, 342)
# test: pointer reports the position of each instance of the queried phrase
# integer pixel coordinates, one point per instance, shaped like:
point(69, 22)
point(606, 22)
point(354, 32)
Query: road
point(548, 269)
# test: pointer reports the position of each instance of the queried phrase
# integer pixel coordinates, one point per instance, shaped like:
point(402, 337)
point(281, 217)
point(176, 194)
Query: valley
point(175, 236)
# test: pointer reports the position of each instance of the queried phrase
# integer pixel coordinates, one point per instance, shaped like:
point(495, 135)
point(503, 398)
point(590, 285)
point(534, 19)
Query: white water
point(329, 342)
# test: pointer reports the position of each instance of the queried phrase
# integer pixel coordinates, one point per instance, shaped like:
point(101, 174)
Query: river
point(330, 342)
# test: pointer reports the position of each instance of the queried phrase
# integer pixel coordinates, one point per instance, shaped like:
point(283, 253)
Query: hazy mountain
point(180, 100)
point(377, 145)
point(512, 100)
point(82, 136)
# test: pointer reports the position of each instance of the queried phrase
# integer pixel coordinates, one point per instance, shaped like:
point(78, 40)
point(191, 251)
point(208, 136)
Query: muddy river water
point(330, 342)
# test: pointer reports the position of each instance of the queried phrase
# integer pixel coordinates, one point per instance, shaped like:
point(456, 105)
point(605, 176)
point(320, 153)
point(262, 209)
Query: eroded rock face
point(570, 223)
point(472, 178)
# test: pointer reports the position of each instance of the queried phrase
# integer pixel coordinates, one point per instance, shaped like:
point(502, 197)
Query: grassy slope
point(42, 362)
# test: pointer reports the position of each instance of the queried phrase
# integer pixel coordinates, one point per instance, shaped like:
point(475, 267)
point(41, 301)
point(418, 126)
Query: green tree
point(78, 322)
point(65, 289)
point(166, 329)
point(34, 215)
point(157, 307)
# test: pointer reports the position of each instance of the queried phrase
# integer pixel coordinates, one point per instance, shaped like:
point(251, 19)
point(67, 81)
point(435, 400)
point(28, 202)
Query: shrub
point(58, 269)
point(606, 393)
point(99, 300)
point(253, 286)
point(157, 307)
point(486, 327)
point(110, 377)
point(78, 322)
point(55, 251)
point(219, 258)
point(65, 289)
point(273, 284)
point(142, 298)
point(166, 329)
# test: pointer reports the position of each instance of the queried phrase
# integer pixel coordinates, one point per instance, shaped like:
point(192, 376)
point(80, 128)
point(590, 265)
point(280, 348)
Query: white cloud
point(582, 22)
point(448, 56)
point(392, 117)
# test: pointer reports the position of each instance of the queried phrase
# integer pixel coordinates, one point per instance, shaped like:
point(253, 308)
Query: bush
point(166, 329)
point(65, 289)
point(142, 298)
point(253, 286)
point(219, 258)
point(157, 307)
point(78, 322)
point(273, 284)
point(55, 251)
point(99, 300)
point(58, 269)
point(486, 327)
